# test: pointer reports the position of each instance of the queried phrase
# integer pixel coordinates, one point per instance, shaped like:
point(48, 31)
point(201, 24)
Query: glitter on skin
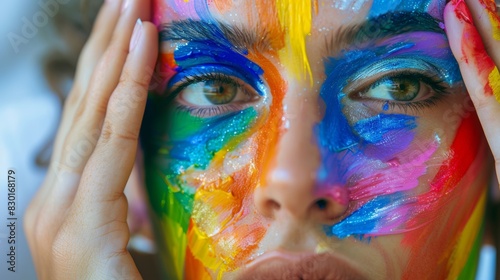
point(465, 151)
point(182, 203)
point(352, 5)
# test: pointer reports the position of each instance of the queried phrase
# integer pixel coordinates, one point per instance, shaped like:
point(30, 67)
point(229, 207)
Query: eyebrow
point(242, 39)
point(219, 33)
point(384, 26)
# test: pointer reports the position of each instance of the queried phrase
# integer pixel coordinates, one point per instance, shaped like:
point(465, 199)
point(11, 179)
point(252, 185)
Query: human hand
point(473, 28)
point(76, 224)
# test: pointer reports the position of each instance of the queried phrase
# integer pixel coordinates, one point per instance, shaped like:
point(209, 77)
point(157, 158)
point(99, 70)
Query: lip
point(279, 265)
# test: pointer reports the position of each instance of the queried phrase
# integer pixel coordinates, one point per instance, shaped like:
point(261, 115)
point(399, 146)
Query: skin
point(278, 208)
point(105, 80)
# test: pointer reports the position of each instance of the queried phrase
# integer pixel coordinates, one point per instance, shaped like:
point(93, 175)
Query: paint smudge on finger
point(474, 51)
point(491, 7)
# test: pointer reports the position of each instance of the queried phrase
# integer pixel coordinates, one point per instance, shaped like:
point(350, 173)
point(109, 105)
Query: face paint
point(353, 5)
point(296, 18)
point(233, 116)
point(434, 8)
point(382, 142)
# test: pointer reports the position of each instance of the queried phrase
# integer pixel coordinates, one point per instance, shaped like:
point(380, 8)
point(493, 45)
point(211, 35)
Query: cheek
point(395, 169)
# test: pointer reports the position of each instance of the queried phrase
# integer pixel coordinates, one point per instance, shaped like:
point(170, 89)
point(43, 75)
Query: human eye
point(416, 86)
point(213, 94)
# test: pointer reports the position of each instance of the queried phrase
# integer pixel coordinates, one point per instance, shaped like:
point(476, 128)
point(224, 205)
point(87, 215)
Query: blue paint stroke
point(208, 49)
point(350, 150)
point(433, 7)
point(369, 217)
point(198, 149)
point(374, 129)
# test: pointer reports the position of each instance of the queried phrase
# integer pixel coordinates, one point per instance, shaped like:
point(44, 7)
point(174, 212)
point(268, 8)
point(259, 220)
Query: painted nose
point(289, 188)
point(285, 196)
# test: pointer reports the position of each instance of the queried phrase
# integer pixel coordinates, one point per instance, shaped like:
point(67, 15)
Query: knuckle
point(133, 82)
point(479, 99)
point(110, 133)
point(113, 52)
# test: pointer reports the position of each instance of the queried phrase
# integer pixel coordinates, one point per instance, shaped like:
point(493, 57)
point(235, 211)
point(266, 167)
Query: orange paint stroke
point(230, 246)
point(221, 5)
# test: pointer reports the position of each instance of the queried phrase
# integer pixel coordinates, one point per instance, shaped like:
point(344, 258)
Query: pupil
point(404, 89)
point(219, 93)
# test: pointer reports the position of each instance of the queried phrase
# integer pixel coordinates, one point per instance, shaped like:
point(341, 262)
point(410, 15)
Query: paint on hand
point(474, 52)
point(491, 8)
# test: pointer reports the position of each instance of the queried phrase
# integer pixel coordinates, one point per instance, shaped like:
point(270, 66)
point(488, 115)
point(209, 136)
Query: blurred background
point(39, 45)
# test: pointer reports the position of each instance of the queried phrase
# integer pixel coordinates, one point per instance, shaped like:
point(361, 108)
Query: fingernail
point(125, 5)
point(136, 35)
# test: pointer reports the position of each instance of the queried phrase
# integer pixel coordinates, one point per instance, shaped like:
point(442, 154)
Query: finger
point(92, 51)
point(487, 21)
point(82, 137)
point(90, 114)
point(479, 72)
point(109, 167)
point(85, 130)
point(108, 70)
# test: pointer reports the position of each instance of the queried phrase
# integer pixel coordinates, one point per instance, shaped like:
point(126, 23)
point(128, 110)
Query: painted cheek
point(225, 233)
point(459, 230)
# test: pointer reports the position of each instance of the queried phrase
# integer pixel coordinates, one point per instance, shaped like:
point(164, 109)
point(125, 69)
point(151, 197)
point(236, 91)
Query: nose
point(289, 187)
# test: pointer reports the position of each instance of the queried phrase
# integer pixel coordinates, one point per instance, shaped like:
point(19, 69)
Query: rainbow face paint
point(261, 139)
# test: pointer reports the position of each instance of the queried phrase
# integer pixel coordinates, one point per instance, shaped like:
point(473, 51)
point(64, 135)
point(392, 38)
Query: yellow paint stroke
point(466, 239)
point(203, 250)
point(494, 81)
point(175, 241)
point(491, 7)
point(495, 26)
point(296, 19)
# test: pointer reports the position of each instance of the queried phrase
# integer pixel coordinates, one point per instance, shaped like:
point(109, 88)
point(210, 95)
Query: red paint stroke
point(435, 244)
point(473, 47)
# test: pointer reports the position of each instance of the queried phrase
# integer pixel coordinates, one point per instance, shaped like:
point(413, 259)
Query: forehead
point(293, 27)
point(261, 13)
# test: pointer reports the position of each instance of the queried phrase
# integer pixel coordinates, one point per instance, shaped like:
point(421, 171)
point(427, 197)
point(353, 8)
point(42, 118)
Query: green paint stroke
point(194, 141)
point(470, 267)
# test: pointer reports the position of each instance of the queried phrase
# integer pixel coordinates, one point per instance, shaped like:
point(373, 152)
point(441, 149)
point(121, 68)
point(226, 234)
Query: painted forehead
point(285, 24)
point(204, 10)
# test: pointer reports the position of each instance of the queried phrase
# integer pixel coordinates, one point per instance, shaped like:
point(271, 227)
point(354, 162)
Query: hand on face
point(473, 28)
point(76, 225)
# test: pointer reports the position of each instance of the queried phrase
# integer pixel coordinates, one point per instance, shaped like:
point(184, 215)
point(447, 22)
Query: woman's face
point(312, 139)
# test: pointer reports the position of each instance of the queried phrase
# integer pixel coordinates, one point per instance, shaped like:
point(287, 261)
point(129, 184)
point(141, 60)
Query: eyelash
point(213, 110)
point(438, 85)
point(434, 81)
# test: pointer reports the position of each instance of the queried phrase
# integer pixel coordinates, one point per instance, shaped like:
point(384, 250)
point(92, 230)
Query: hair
point(69, 28)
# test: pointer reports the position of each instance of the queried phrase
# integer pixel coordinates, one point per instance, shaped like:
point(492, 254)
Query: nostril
point(322, 204)
point(329, 209)
point(271, 204)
